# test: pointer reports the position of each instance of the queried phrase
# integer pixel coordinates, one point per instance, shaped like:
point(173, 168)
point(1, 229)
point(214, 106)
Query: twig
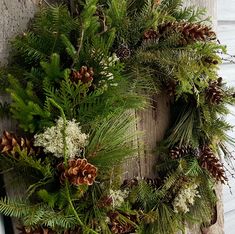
point(79, 47)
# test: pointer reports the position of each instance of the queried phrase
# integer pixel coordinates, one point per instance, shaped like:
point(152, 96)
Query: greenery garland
point(75, 76)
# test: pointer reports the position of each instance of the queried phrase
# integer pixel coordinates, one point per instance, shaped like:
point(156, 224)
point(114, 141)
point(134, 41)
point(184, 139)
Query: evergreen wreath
point(76, 74)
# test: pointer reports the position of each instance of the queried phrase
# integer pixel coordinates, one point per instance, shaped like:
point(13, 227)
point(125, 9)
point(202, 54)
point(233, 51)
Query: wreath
point(75, 79)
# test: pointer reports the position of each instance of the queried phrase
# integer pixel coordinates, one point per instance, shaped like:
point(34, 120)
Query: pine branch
point(111, 141)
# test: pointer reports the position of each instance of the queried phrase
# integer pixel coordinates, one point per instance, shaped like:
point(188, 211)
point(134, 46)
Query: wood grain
point(14, 17)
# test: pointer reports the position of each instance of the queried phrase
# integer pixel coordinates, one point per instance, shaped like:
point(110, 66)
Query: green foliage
point(44, 38)
point(33, 113)
point(36, 215)
point(111, 141)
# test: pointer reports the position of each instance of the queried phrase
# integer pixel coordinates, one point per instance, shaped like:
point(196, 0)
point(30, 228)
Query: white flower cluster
point(185, 198)
point(52, 139)
point(118, 197)
point(106, 64)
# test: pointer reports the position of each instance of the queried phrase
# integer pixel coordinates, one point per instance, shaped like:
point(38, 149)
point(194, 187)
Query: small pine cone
point(9, 143)
point(105, 201)
point(130, 183)
point(85, 75)
point(154, 183)
point(151, 34)
point(118, 226)
point(179, 152)
point(210, 61)
point(171, 87)
point(190, 32)
point(40, 230)
point(123, 52)
point(157, 2)
point(78, 172)
point(212, 164)
point(214, 93)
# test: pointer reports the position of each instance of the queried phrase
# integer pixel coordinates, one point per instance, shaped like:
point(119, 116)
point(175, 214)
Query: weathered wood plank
point(14, 17)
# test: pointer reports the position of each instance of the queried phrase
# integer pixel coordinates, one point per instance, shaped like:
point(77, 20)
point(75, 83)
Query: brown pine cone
point(130, 183)
point(151, 34)
point(123, 52)
point(105, 201)
point(85, 75)
point(179, 152)
point(214, 93)
point(78, 172)
point(9, 143)
point(40, 230)
point(171, 87)
point(212, 164)
point(119, 226)
point(189, 32)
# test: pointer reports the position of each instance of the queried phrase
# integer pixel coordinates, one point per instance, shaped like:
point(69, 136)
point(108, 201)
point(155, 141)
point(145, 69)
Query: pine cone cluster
point(85, 75)
point(9, 143)
point(214, 93)
point(123, 52)
point(212, 164)
point(119, 226)
point(77, 172)
point(190, 32)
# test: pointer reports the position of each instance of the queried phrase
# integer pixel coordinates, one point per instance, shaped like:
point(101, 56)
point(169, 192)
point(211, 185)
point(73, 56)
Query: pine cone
point(157, 2)
point(171, 87)
point(85, 75)
point(105, 201)
point(130, 183)
point(212, 164)
point(210, 61)
point(78, 172)
point(40, 230)
point(179, 152)
point(10, 142)
point(190, 32)
point(214, 93)
point(123, 52)
point(151, 34)
point(119, 226)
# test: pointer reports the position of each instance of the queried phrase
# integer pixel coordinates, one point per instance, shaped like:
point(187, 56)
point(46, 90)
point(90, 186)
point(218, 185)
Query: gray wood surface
point(14, 17)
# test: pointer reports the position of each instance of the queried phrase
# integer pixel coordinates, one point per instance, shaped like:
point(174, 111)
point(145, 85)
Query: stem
point(72, 206)
point(47, 3)
point(75, 212)
point(63, 130)
point(79, 47)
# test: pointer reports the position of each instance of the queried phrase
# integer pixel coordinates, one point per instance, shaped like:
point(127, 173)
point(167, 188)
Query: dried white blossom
point(106, 63)
point(52, 139)
point(118, 197)
point(185, 198)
